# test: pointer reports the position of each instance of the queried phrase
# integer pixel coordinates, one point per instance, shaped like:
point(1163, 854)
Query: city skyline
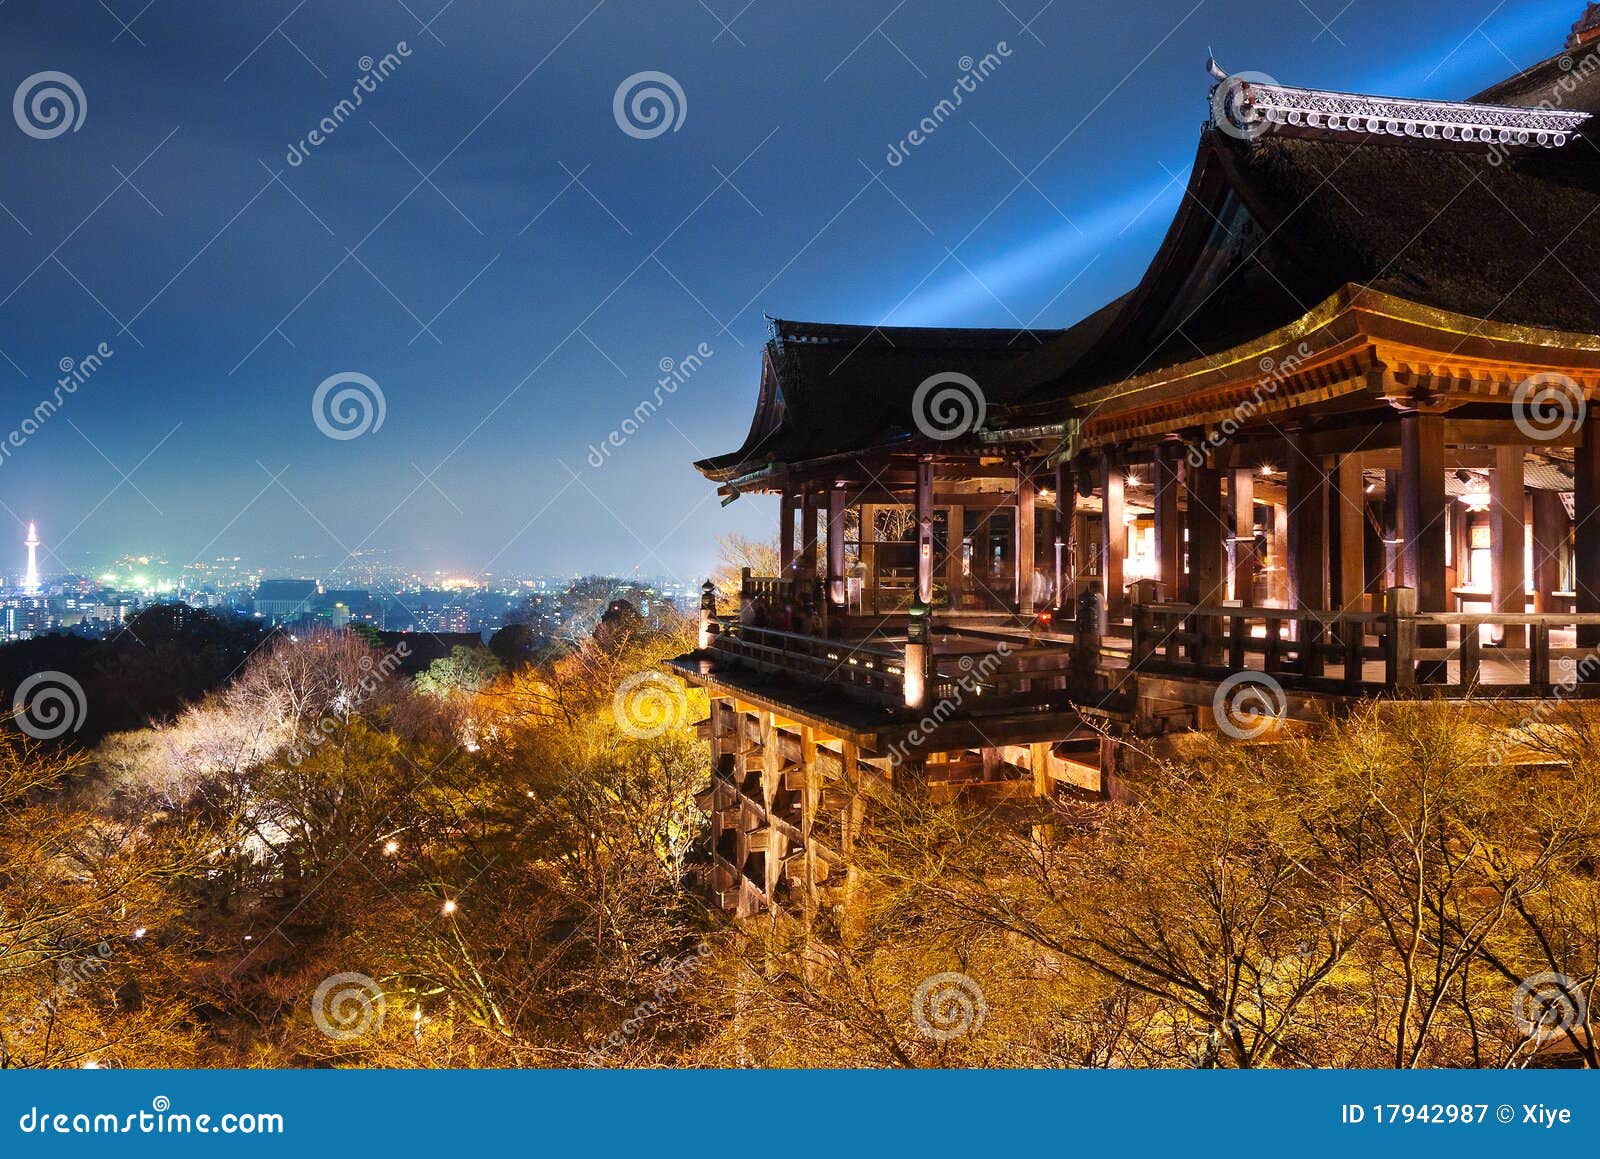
point(530, 291)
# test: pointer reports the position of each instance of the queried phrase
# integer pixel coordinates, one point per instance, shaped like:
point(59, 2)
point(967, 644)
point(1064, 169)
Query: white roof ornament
point(1250, 105)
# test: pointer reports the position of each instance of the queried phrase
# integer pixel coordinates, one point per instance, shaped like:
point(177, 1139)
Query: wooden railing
point(1396, 651)
point(873, 671)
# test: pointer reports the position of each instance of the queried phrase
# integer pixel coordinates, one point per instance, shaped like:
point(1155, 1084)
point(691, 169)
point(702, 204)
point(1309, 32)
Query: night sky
point(483, 241)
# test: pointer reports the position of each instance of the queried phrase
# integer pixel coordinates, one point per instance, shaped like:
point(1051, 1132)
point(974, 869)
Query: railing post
point(1539, 656)
point(1355, 645)
point(1238, 632)
point(708, 610)
point(1310, 635)
point(1400, 637)
point(1085, 655)
point(1471, 655)
point(918, 648)
point(1272, 660)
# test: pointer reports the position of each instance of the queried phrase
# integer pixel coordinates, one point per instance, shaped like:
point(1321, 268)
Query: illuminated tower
point(30, 582)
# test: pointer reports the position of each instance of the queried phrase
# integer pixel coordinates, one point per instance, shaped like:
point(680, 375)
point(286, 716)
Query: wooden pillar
point(838, 500)
point(1549, 540)
point(786, 534)
point(955, 530)
point(924, 514)
point(1424, 527)
point(1586, 535)
point(1241, 493)
point(1280, 554)
point(1392, 535)
point(1351, 504)
point(1208, 548)
point(1114, 540)
point(1308, 515)
point(807, 565)
point(1208, 536)
point(1026, 544)
point(1169, 528)
point(1066, 525)
point(869, 557)
point(1508, 540)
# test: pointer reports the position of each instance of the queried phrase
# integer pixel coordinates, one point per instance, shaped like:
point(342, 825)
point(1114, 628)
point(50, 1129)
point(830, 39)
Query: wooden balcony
point(1397, 652)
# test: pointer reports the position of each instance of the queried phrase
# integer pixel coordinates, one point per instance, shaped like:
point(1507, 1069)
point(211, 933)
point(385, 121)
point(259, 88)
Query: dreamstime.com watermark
point(969, 683)
point(373, 674)
point(48, 104)
point(48, 705)
point(674, 373)
point(71, 974)
point(648, 104)
point(1548, 406)
point(949, 1006)
point(1249, 704)
point(1548, 1005)
point(348, 1006)
point(1574, 74)
point(348, 405)
point(1273, 374)
point(1575, 672)
point(74, 373)
point(649, 704)
point(948, 406)
point(373, 74)
point(674, 977)
point(973, 74)
point(160, 1119)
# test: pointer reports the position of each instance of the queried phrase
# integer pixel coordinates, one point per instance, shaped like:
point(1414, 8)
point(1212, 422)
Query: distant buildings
point(283, 600)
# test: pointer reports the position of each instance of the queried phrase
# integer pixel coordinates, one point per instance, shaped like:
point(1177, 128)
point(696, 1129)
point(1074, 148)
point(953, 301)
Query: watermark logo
point(649, 704)
point(1547, 406)
point(1547, 1005)
point(1249, 704)
point(675, 372)
point(373, 74)
point(75, 372)
point(973, 74)
point(949, 405)
point(946, 1007)
point(348, 1006)
point(48, 104)
point(1233, 107)
point(348, 405)
point(48, 705)
point(648, 104)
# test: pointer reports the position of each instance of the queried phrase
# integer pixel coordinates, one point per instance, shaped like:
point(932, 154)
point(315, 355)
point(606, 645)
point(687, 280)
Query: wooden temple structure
point(1340, 438)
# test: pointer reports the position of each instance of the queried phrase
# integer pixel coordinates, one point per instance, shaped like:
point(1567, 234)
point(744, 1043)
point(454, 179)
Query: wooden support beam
point(786, 533)
point(1208, 547)
point(1168, 467)
point(955, 531)
point(1549, 544)
point(1208, 536)
point(837, 496)
point(924, 515)
point(1508, 540)
point(1065, 526)
point(1114, 540)
point(1350, 504)
point(1308, 522)
point(1280, 553)
point(1424, 525)
point(807, 564)
point(1586, 535)
point(1026, 545)
point(1241, 496)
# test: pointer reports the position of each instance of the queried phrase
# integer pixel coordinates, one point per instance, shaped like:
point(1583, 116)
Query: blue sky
point(482, 240)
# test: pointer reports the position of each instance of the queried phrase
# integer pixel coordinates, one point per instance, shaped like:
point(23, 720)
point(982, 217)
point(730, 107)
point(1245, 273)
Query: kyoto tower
point(30, 582)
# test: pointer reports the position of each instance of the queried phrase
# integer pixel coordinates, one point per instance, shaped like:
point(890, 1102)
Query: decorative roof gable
point(1250, 107)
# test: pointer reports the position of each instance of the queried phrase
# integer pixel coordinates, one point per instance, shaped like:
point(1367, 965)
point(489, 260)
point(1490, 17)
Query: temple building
point(1338, 443)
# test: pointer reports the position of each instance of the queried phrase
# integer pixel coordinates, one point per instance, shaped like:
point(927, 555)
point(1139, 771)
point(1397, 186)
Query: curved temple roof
point(1488, 208)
